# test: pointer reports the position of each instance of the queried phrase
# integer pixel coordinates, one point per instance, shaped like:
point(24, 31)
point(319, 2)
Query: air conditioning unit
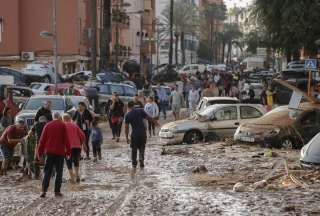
point(27, 56)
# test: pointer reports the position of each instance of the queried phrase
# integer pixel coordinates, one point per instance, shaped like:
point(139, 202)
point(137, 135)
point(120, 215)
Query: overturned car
point(282, 127)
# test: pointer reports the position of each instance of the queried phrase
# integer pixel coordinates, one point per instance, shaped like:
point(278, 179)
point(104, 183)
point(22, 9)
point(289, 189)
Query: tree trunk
point(211, 42)
point(229, 52)
point(105, 35)
point(171, 34)
point(177, 48)
point(288, 55)
point(296, 55)
point(94, 37)
point(223, 51)
point(183, 48)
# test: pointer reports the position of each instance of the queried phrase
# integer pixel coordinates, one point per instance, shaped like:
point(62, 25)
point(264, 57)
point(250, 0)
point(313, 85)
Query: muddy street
point(177, 180)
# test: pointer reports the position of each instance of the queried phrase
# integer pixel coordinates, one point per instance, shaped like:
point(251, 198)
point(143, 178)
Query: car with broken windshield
point(282, 127)
point(213, 123)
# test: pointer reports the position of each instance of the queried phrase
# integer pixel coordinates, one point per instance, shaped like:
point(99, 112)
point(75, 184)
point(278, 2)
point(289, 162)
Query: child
point(96, 140)
point(152, 109)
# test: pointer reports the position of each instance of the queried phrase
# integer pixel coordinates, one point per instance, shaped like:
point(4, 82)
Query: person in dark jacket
point(83, 119)
point(135, 117)
point(115, 115)
point(45, 110)
point(54, 144)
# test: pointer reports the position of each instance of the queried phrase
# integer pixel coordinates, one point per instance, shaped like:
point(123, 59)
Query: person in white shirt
point(152, 109)
point(176, 100)
point(193, 99)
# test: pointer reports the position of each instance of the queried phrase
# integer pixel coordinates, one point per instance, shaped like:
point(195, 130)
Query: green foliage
point(289, 24)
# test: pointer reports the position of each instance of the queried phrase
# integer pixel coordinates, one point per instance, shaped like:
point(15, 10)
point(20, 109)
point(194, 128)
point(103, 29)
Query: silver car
point(213, 123)
point(28, 111)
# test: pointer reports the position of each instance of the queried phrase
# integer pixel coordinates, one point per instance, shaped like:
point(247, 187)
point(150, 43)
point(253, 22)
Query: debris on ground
point(200, 169)
point(239, 187)
point(174, 151)
point(260, 184)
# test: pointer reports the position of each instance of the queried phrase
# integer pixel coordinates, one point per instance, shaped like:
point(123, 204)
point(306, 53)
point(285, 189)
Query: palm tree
point(214, 14)
point(184, 22)
point(231, 36)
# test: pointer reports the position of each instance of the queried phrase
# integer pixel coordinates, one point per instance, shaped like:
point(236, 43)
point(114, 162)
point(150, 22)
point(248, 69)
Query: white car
point(41, 72)
point(209, 101)
point(192, 69)
point(213, 123)
point(39, 88)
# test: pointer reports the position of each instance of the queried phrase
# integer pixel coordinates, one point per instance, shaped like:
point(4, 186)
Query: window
point(36, 103)
point(21, 92)
point(227, 113)
point(247, 112)
point(117, 88)
point(195, 67)
point(104, 89)
point(129, 91)
point(186, 68)
point(200, 105)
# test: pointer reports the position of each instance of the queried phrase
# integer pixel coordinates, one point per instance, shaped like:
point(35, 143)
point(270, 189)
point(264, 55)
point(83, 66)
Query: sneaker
point(118, 139)
point(43, 195)
point(95, 159)
point(99, 156)
point(141, 163)
point(78, 180)
point(58, 194)
point(87, 158)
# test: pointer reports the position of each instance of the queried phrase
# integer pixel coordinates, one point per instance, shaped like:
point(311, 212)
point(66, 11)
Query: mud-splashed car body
point(282, 127)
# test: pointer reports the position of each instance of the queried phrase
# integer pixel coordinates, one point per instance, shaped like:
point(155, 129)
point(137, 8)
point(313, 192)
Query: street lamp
point(53, 36)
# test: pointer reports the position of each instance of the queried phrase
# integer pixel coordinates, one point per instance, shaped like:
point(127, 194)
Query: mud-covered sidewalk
point(177, 180)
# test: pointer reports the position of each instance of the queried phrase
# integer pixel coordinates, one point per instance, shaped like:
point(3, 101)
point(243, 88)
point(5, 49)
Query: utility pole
point(94, 37)
point(105, 34)
point(117, 20)
point(141, 45)
point(171, 34)
point(55, 44)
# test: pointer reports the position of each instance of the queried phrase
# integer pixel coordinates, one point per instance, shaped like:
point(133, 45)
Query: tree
point(213, 16)
point(105, 35)
point(231, 36)
point(185, 21)
point(289, 25)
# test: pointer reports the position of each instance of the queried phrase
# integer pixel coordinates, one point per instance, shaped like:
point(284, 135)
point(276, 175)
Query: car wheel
point(286, 143)
point(46, 79)
point(193, 137)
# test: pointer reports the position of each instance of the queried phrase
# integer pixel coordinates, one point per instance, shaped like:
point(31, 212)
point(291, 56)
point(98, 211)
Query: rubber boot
point(76, 171)
point(72, 180)
point(4, 168)
point(99, 155)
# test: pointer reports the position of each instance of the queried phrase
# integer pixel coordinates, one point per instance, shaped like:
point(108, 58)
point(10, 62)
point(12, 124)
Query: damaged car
point(310, 153)
point(212, 123)
point(282, 127)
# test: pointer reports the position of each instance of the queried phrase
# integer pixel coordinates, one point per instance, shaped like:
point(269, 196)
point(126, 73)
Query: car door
point(224, 122)
point(247, 113)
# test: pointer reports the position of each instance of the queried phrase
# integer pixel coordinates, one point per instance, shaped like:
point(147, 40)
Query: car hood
point(185, 125)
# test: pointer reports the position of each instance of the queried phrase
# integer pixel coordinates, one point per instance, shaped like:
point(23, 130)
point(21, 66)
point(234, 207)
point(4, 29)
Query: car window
point(247, 112)
point(195, 67)
point(227, 113)
point(186, 68)
point(221, 102)
point(36, 103)
point(129, 91)
point(200, 105)
point(69, 103)
point(117, 88)
point(104, 89)
point(35, 86)
point(21, 92)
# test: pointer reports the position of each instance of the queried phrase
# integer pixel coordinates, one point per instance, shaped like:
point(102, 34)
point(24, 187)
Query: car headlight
point(173, 129)
point(275, 131)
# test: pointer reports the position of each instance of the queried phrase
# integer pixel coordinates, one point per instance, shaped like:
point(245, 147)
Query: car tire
point(286, 143)
point(46, 79)
point(193, 137)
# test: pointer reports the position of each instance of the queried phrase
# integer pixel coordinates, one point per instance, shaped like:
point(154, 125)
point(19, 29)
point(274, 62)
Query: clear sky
point(239, 3)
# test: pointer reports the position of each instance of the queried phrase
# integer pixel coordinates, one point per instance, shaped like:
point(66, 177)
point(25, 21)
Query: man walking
point(135, 118)
point(54, 144)
point(163, 100)
point(176, 100)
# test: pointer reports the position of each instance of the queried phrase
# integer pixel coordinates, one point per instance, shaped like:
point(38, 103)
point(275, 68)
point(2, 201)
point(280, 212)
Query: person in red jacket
point(54, 144)
point(77, 141)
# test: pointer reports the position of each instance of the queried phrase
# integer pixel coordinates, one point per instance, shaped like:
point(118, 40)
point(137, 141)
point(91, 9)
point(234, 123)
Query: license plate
point(247, 139)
